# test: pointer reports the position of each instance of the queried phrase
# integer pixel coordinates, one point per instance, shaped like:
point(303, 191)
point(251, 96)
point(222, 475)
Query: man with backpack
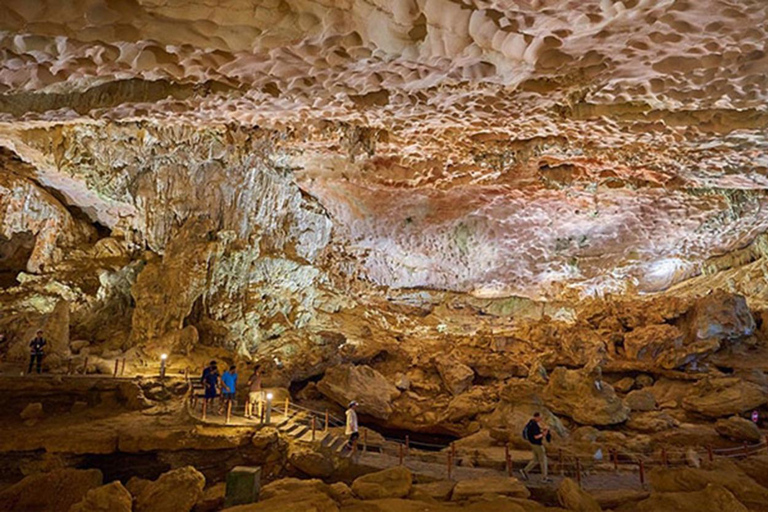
point(535, 435)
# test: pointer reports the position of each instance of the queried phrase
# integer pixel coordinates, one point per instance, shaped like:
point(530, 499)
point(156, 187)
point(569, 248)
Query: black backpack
point(525, 431)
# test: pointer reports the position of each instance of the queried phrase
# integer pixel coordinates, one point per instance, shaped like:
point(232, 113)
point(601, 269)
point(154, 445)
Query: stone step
point(299, 431)
point(327, 439)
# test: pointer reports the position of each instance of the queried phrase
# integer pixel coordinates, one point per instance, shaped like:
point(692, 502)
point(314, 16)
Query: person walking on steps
point(535, 433)
point(351, 429)
point(36, 352)
point(254, 393)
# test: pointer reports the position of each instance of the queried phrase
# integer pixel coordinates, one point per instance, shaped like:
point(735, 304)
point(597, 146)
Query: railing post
point(450, 464)
point(365, 440)
point(114, 374)
point(400, 452)
point(453, 452)
point(326, 420)
point(313, 426)
point(615, 460)
point(85, 366)
point(560, 460)
point(407, 445)
point(642, 472)
point(122, 368)
point(710, 454)
point(507, 459)
point(746, 449)
point(578, 472)
point(286, 407)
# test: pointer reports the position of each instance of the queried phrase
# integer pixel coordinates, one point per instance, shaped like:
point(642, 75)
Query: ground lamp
point(163, 358)
point(268, 414)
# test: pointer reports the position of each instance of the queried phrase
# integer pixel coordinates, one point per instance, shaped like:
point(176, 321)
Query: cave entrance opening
point(14, 255)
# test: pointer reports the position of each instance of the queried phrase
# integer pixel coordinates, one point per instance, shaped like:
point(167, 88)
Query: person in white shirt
point(351, 429)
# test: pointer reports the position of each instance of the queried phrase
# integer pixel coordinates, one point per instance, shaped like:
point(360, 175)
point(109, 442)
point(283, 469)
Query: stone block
point(243, 486)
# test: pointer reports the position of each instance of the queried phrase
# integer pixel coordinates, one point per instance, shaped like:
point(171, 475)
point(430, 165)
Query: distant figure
point(755, 417)
point(351, 429)
point(36, 351)
point(229, 384)
point(210, 381)
point(535, 435)
point(254, 392)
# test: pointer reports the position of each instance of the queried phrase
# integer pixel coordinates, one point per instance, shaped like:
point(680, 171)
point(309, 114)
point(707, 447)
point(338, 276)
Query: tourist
point(254, 392)
point(210, 382)
point(229, 384)
point(535, 433)
point(36, 352)
point(351, 429)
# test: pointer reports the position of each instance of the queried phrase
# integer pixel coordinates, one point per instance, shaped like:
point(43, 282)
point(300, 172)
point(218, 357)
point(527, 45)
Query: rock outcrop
point(175, 491)
point(369, 388)
point(390, 483)
point(575, 394)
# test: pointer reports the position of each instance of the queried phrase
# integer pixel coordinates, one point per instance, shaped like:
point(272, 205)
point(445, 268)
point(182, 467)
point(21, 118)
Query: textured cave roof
point(495, 147)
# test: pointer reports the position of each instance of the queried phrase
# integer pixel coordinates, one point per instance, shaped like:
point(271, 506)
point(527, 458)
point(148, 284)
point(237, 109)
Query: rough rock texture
point(107, 498)
point(724, 397)
point(712, 498)
point(574, 394)
point(746, 490)
point(363, 384)
point(738, 429)
point(467, 489)
point(572, 497)
point(390, 483)
point(57, 490)
point(175, 491)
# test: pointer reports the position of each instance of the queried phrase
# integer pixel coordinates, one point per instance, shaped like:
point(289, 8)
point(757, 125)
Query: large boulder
point(501, 485)
point(684, 479)
point(175, 491)
point(738, 429)
point(314, 463)
point(292, 495)
point(57, 490)
point(107, 498)
point(641, 400)
point(713, 498)
point(369, 388)
point(457, 377)
point(655, 344)
point(721, 316)
point(572, 497)
point(394, 482)
point(573, 393)
point(726, 396)
point(651, 422)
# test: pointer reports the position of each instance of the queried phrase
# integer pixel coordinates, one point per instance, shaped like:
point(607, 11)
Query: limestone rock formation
point(738, 429)
point(175, 491)
point(505, 486)
point(713, 497)
point(363, 384)
point(574, 394)
point(112, 497)
point(390, 483)
point(457, 377)
point(724, 397)
point(62, 489)
point(572, 497)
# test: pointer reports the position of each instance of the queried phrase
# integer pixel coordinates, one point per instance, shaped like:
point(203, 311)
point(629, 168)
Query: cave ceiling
point(495, 147)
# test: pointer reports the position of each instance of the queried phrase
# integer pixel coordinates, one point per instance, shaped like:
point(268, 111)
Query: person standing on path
point(210, 382)
point(254, 392)
point(535, 433)
point(229, 385)
point(36, 351)
point(352, 427)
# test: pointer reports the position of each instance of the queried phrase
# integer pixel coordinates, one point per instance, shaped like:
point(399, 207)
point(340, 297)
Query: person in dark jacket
point(210, 381)
point(535, 433)
point(36, 352)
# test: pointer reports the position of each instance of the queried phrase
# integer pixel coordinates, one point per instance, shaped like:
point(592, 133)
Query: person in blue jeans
point(229, 385)
point(210, 380)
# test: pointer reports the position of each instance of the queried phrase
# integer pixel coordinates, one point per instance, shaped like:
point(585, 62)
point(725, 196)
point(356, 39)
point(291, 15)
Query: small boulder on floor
point(112, 497)
point(501, 485)
point(738, 429)
point(572, 497)
point(394, 482)
point(175, 491)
